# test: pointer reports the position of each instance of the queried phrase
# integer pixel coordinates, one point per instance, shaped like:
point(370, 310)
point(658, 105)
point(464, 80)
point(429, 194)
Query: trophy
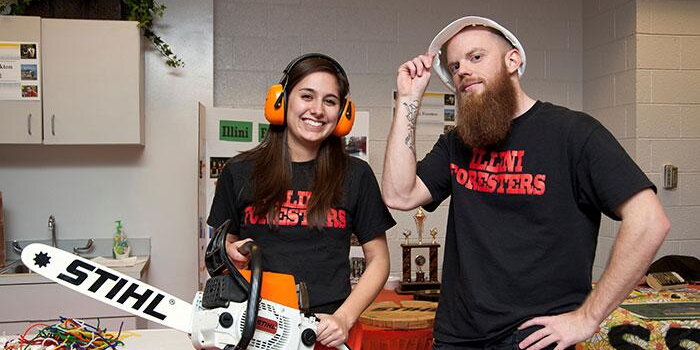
point(357, 268)
point(419, 218)
point(408, 284)
point(420, 275)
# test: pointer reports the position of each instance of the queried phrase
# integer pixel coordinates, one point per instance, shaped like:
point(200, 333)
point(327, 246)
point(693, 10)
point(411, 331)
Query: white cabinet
point(30, 298)
point(92, 82)
point(24, 304)
point(20, 121)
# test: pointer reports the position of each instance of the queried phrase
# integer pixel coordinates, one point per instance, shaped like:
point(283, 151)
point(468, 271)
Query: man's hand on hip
point(565, 330)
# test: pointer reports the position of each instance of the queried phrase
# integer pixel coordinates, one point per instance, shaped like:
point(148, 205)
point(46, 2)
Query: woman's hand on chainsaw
point(240, 261)
point(332, 330)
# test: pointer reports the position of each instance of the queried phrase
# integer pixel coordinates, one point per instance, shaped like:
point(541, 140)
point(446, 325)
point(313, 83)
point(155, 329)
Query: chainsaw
point(261, 310)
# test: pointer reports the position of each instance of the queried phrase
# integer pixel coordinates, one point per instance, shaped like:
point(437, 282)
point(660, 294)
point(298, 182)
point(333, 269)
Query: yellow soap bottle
point(121, 244)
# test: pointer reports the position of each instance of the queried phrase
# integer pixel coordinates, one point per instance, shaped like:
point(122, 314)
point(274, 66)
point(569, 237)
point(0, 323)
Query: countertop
point(151, 339)
point(158, 339)
point(135, 271)
point(140, 247)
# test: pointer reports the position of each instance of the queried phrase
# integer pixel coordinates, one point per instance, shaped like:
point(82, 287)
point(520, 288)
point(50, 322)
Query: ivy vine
point(17, 8)
point(142, 11)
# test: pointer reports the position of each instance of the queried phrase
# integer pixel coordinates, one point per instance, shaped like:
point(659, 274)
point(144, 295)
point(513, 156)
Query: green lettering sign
point(262, 130)
point(231, 130)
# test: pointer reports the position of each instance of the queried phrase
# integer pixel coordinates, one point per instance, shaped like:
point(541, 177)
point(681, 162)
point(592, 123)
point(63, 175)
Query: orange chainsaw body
point(277, 287)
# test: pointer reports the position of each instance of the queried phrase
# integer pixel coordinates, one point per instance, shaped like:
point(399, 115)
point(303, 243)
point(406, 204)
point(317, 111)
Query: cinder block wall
point(609, 86)
point(668, 111)
point(640, 79)
point(254, 41)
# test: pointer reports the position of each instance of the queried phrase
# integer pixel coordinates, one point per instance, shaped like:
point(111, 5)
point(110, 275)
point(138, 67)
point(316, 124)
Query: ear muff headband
point(275, 100)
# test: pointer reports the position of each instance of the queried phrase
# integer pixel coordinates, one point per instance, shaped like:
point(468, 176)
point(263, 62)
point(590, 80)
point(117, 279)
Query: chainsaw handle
point(217, 260)
point(251, 249)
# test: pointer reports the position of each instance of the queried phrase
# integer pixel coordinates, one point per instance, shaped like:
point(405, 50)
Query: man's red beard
point(484, 119)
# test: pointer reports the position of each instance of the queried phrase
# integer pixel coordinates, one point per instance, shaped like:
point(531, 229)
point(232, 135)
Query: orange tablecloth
point(364, 337)
point(372, 338)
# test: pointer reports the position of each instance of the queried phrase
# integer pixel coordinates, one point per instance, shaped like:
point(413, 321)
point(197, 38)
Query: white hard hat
point(455, 27)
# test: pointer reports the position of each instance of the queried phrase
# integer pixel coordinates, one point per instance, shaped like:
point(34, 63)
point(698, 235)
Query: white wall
point(254, 41)
point(153, 189)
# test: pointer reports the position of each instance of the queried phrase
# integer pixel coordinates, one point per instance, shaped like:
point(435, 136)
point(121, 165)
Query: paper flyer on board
point(437, 111)
point(20, 71)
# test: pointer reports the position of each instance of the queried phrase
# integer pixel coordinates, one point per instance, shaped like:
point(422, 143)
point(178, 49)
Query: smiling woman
point(301, 197)
point(302, 113)
point(312, 114)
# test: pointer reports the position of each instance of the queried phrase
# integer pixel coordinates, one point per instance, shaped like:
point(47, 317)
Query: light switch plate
point(670, 176)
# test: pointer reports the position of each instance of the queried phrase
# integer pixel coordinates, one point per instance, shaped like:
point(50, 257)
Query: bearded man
point(528, 181)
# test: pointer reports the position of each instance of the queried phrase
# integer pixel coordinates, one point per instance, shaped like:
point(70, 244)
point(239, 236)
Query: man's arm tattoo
point(412, 116)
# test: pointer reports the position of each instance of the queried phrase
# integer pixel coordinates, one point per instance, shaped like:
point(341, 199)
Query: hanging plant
point(142, 11)
point(17, 8)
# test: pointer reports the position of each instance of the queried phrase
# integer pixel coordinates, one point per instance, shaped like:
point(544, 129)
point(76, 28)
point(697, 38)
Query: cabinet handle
point(29, 124)
point(53, 125)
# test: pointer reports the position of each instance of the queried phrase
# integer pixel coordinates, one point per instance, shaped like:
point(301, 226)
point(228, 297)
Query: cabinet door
point(20, 121)
point(93, 82)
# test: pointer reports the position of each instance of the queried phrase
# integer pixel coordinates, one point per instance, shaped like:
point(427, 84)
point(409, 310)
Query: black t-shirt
point(523, 219)
point(317, 257)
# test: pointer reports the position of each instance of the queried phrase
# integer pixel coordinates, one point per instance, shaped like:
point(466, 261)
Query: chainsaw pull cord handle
point(252, 250)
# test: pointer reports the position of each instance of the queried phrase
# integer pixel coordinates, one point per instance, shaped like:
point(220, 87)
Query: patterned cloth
point(623, 328)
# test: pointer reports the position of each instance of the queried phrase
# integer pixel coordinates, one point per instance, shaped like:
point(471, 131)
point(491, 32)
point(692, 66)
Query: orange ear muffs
point(346, 119)
point(275, 100)
point(274, 105)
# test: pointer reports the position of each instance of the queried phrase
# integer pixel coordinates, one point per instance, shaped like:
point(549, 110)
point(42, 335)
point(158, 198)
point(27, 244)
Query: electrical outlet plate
point(670, 176)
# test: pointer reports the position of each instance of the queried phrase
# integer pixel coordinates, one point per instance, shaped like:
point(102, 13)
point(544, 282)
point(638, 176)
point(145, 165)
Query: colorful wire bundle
point(68, 334)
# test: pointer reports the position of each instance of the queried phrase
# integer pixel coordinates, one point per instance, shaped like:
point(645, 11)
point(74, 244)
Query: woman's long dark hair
point(272, 164)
